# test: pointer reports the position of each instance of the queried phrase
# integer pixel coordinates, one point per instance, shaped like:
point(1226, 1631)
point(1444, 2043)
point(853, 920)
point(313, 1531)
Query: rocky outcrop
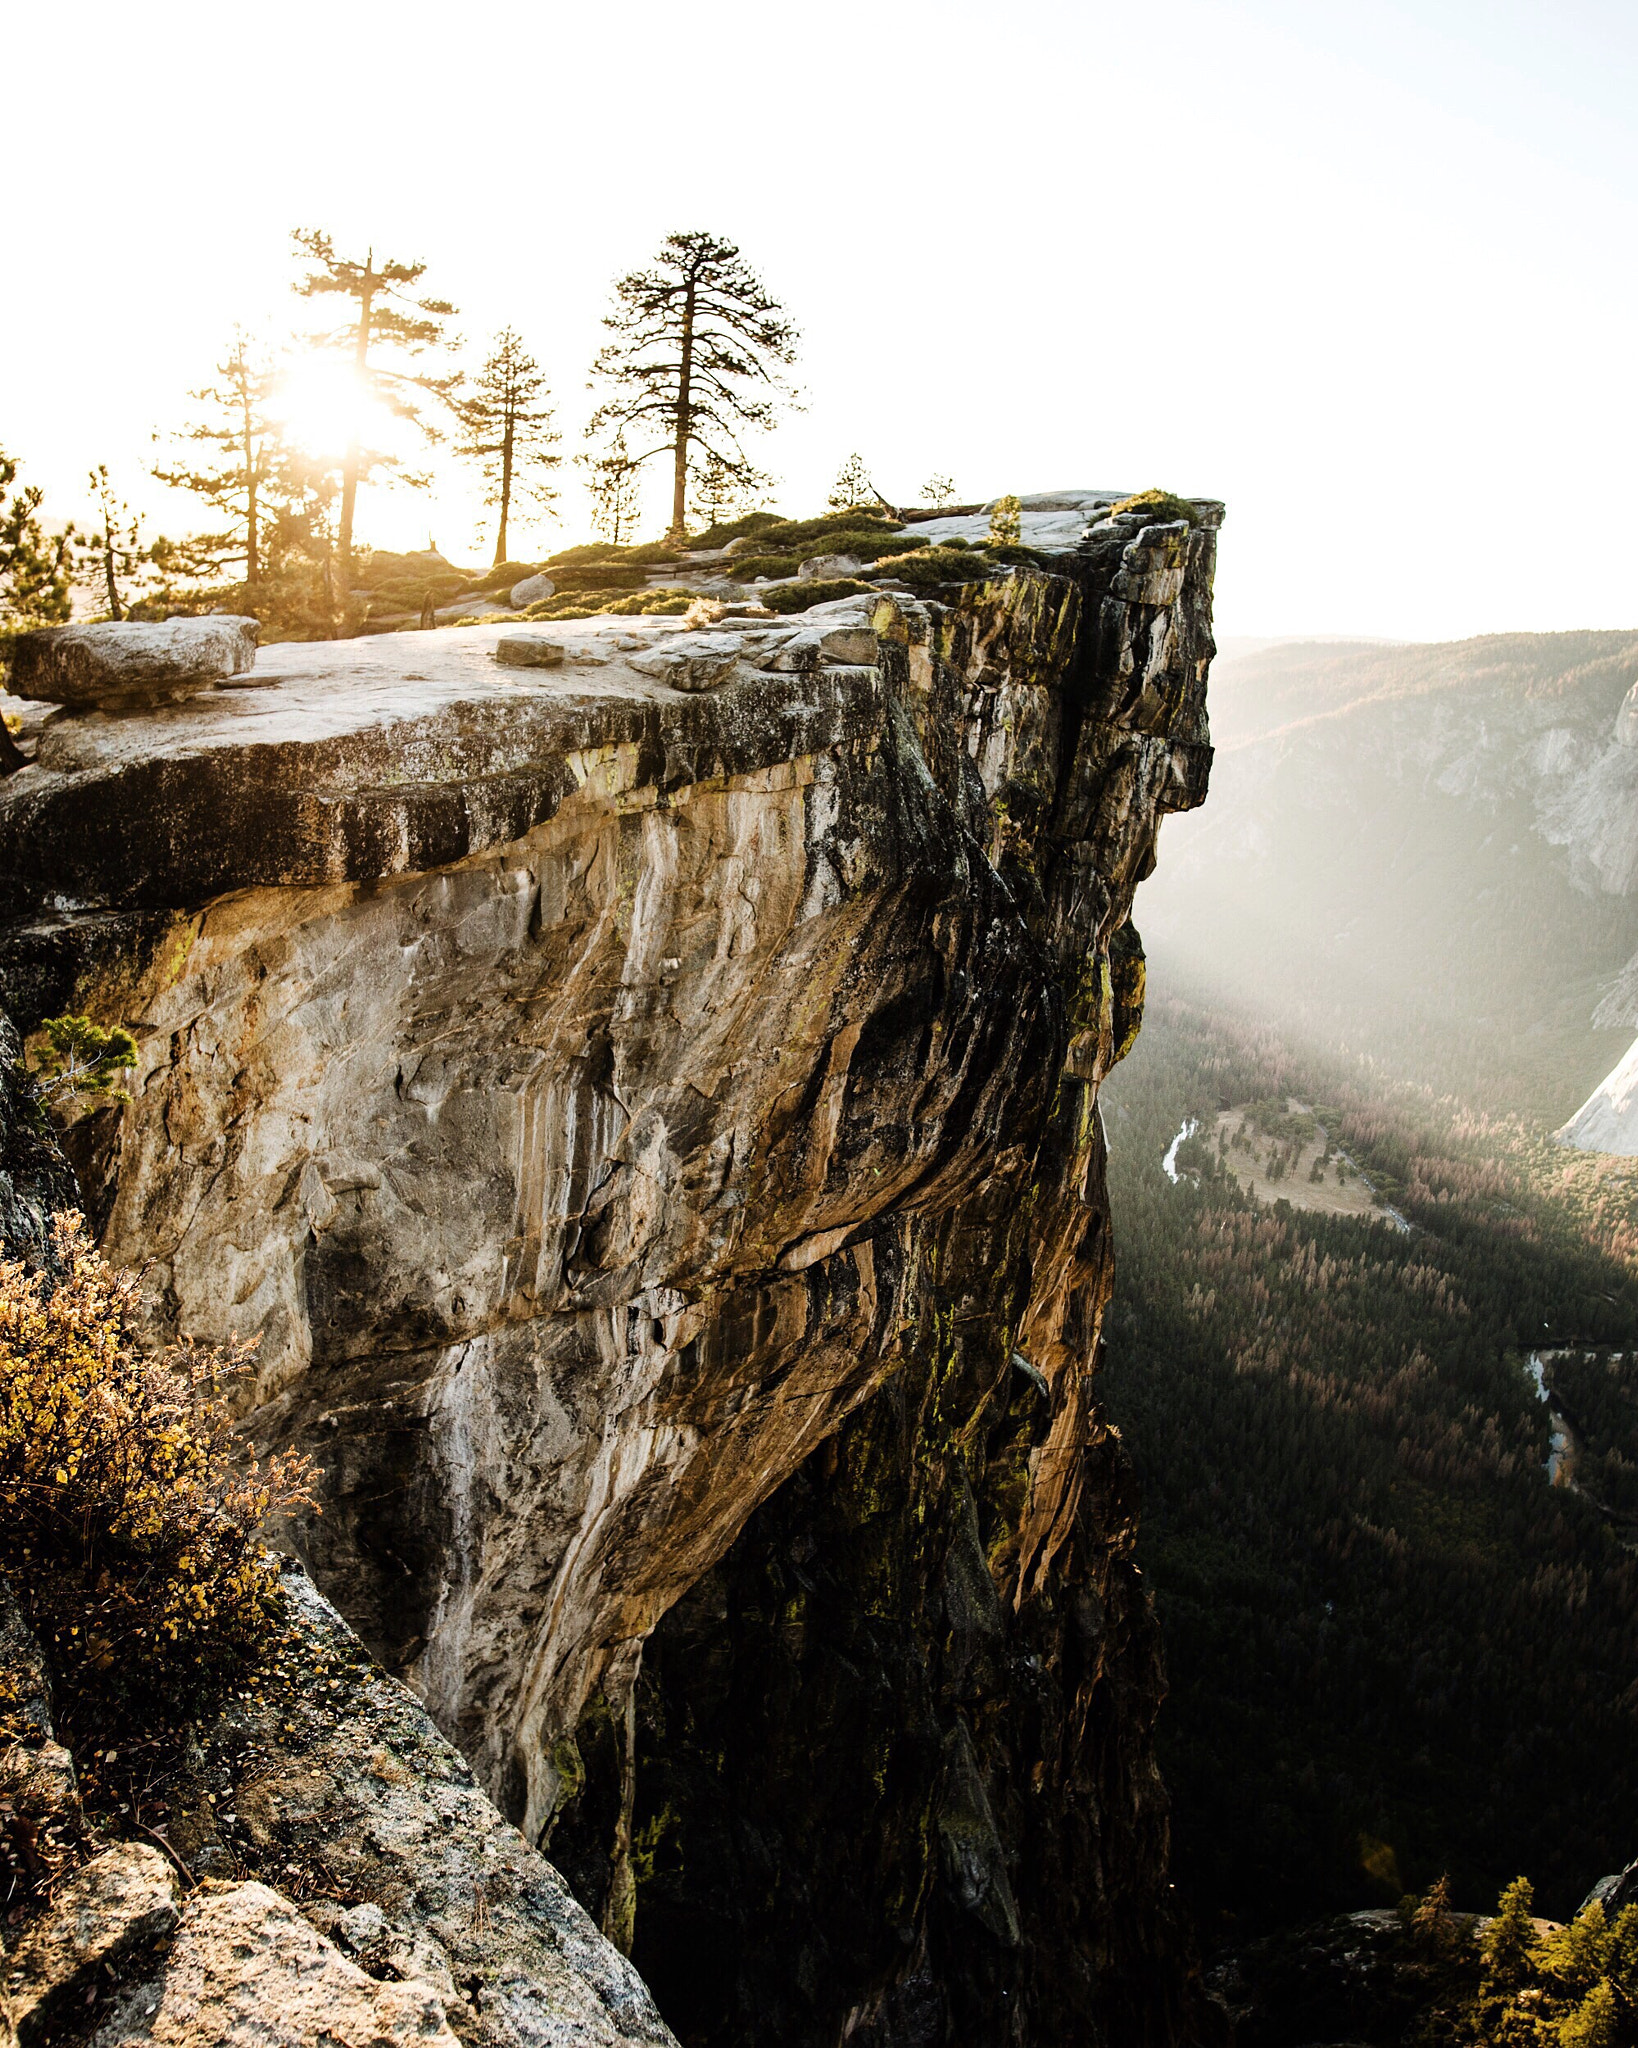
point(316, 1864)
point(647, 1107)
point(131, 665)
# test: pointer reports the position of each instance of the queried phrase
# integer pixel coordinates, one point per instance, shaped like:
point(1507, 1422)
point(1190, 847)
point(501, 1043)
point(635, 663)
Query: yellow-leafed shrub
point(126, 1525)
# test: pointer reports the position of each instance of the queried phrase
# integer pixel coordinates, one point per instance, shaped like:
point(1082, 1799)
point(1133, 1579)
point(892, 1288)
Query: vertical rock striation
point(648, 1108)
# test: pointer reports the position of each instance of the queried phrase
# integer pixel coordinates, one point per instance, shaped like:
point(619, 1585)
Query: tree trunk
point(253, 557)
point(114, 604)
point(506, 489)
point(349, 473)
point(679, 479)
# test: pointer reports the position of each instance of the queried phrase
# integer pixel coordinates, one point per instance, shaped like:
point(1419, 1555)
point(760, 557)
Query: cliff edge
point(646, 1102)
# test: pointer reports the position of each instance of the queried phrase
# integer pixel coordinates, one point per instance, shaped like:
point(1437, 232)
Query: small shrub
point(1021, 556)
point(811, 536)
point(870, 547)
point(598, 576)
point(1162, 508)
point(1006, 522)
point(728, 530)
point(650, 604)
point(79, 1058)
point(588, 551)
point(381, 569)
point(501, 577)
point(928, 567)
point(653, 553)
point(126, 1527)
point(749, 567)
point(800, 597)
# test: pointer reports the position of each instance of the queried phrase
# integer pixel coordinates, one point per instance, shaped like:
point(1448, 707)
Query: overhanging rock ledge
point(647, 1106)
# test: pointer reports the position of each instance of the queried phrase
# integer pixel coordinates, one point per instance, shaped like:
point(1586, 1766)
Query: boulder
point(528, 650)
point(826, 568)
point(692, 661)
point(532, 590)
point(246, 1967)
point(131, 665)
point(97, 1916)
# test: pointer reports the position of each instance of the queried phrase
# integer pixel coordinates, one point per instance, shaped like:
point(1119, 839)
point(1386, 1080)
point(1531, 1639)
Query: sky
point(1364, 271)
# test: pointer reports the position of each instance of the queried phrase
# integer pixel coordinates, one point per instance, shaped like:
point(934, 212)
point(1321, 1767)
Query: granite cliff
point(646, 1102)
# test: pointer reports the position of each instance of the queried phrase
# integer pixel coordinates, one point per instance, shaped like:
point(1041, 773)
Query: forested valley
point(1397, 1649)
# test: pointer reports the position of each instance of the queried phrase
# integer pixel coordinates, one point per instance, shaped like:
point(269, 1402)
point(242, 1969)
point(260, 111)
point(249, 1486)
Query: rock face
point(131, 665)
point(648, 1108)
point(35, 1180)
point(342, 1878)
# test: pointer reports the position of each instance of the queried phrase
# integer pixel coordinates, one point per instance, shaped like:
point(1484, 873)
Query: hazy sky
point(1366, 271)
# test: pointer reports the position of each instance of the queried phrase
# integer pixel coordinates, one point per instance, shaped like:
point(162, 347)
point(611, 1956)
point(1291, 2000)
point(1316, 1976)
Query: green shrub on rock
point(649, 604)
point(128, 1526)
point(811, 536)
point(598, 576)
point(501, 577)
point(1162, 508)
point(929, 567)
point(728, 530)
point(587, 551)
point(749, 567)
point(800, 597)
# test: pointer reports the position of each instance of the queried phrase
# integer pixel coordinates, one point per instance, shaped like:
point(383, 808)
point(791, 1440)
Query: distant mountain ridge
point(1428, 853)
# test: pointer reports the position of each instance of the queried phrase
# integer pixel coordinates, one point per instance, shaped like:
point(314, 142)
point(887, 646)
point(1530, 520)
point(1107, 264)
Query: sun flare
point(324, 405)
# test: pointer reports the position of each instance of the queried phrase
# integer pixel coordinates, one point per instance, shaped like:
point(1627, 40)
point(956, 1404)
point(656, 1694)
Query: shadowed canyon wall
point(648, 1110)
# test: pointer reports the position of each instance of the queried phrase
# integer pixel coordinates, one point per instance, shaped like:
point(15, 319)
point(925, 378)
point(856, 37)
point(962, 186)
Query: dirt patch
point(1289, 1158)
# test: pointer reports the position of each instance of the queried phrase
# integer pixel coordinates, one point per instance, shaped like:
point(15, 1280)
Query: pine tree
point(389, 316)
point(939, 491)
point(238, 482)
point(1006, 522)
point(116, 564)
point(611, 483)
point(852, 486)
point(1509, 1939)
point(720, 495)
point(506, 421)
point(696, 343)
point(35, 566)
point(1596, 2021)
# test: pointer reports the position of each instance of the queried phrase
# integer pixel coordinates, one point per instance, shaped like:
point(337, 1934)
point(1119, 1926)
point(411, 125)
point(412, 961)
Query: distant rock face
point(1420, 841)
point(1608, 1120)
point(131, 665)
point(648, 1109)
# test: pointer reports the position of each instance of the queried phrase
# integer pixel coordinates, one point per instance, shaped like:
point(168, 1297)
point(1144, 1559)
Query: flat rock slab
point(132, 664)
point(349, 760)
